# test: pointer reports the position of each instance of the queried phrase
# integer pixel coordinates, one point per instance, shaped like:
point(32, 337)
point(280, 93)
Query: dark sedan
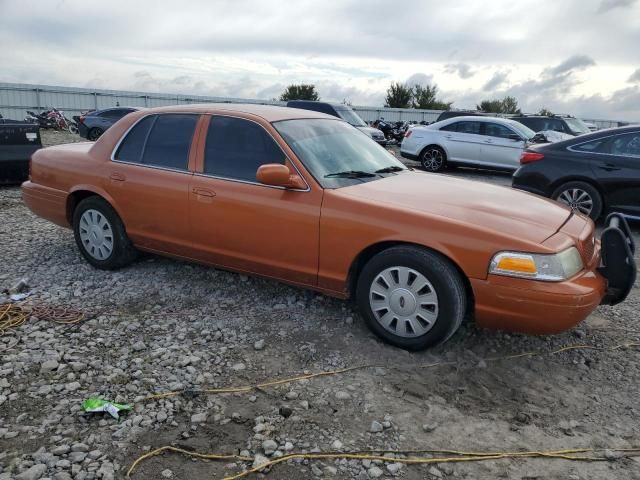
point(593, 173)
point(94, 123)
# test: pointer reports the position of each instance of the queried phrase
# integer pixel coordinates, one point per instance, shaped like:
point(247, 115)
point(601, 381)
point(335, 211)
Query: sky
point(570, 56)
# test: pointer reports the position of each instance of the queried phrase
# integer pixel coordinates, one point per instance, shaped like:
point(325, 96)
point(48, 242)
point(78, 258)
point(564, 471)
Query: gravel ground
point(163, 324)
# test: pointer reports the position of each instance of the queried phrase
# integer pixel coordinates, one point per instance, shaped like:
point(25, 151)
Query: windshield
point(337, 154)
point(351, 117)
point(577, 126)
point(523, 130)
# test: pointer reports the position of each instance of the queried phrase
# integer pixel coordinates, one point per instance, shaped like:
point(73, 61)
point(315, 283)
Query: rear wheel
point(101, 236)
point(433, 158)
point(410, 297)
point(95, 133)
point(581, 197)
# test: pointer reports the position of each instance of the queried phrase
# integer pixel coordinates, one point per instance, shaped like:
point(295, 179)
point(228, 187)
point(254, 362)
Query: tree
point(398, 95)
point(506, 105)
point(426, 98)
point(545, 111)
point(304, 91)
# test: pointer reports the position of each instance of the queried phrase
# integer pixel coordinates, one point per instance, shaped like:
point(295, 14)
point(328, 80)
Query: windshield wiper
point(350, 174)
point(392, 168)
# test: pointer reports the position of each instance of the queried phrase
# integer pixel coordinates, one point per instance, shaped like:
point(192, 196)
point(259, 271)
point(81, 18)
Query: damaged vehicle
point(305, 198)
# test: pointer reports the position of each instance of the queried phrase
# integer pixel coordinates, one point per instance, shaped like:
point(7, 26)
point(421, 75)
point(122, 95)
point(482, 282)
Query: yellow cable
point(566, 454)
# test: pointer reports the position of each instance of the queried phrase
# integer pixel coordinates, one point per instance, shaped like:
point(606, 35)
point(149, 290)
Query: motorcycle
point(53, 119)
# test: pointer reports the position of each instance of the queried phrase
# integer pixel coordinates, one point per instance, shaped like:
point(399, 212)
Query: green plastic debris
point(99, 405)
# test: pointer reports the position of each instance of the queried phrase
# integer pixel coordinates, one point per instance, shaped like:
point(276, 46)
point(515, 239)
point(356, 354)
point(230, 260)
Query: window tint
point(130, 150)
point(463, 127)
point(235, 148)
point(169, 141)
point(452, 127)
point(626, 145)
point(595, 146)
point(496, 130)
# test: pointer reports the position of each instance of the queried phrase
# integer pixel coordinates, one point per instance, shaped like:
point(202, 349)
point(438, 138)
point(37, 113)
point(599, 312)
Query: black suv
point(558, 123)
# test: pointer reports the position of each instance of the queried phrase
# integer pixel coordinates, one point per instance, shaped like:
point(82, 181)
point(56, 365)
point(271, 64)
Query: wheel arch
point(372, 250)
point(433, 144)
point(80, 192)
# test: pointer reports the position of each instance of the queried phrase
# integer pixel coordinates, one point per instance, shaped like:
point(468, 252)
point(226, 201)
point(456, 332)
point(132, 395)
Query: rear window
point(160, 141)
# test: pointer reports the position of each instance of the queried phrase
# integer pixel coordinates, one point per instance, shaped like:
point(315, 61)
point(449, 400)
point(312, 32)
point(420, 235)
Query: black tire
point(433, 158)
point(443, 277)
point(564, 193)
point(122, 252)
point(95, 133)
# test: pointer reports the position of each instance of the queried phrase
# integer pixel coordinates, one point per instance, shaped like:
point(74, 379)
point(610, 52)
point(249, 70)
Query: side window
point(169, 142)
point(496, 130)
point(159, 140)
point(626, 145)
point(236, 148)
point(469, 127)
point(452, 127)
point(590, 147)
point(130, 150)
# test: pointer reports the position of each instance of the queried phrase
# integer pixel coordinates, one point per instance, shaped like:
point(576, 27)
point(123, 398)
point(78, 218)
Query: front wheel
point(433, 159)
point(581, 197)
point(101, 236)
point(411, 297)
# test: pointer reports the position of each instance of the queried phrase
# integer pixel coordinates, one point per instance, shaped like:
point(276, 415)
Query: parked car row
point(306, 198)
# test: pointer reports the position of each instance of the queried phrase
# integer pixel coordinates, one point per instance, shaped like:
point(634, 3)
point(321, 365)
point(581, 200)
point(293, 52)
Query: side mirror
point(515, 137)
point(279, 175)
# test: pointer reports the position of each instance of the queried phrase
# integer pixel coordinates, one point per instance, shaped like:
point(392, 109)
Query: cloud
point(421, 79)
point(576, 62)
point(635, 77)
point(462, 69)
point(606, 5)
point(495, 81)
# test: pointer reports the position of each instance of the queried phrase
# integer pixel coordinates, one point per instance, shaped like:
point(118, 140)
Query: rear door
point(498, 149)
point(616, 165)
point(242, 224)
point(462, 140)
point(149, 181)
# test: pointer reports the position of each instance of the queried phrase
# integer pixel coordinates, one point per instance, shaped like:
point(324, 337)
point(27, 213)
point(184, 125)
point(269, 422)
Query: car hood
point(370, 131)
point(511, 212)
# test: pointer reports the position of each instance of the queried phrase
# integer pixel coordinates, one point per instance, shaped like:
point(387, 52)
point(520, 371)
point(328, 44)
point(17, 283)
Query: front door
point(244, 225)
point(462, 141)
point(498, 149)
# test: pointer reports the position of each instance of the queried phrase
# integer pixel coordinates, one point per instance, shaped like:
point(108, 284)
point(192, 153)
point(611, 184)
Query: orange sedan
point(307, 199)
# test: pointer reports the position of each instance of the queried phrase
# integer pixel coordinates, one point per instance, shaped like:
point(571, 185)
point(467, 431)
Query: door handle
point(118, 177)
point(448, 136)
point(488, 140)
point(203, 192)
point(609, 167)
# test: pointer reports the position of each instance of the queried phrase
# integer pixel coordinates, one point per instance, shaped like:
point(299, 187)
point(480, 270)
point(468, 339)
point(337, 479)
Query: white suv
point(488, 142)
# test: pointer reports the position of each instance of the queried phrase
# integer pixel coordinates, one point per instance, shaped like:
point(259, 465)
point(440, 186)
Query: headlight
point(551, 268)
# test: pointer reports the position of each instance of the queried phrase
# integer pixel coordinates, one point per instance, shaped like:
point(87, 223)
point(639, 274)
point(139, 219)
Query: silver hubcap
point(96, 234)
point(404, 302)
point(577, 199)
point(433, 159)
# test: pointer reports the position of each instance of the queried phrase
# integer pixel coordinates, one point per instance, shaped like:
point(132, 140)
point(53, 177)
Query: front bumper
point(535, 307)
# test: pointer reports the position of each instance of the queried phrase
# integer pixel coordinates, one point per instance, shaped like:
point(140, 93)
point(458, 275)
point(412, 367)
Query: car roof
point(473, 118)
point(270, 113)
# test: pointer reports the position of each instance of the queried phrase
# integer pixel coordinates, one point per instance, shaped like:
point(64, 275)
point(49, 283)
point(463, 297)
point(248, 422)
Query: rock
point(429, 427)
point(316, 471)
point(166, 473)
point(48, 366)
point(239, 366)
point(330, 470)
point(72, 387)
point(33, 473)
point(434, 472)
point(138, 346)
point(269, 446)
point(61, 450)
point(288, 446)
point(375, 472)
point(285, 411)
point(394, 468)
point(259, 345)
point(77, 457)
point(376, 427)
point(161, 416)
point(342, 395)
point(259, 460)
point(79, 447)
point(337, 445)
point(199, 417)
point(291, 395)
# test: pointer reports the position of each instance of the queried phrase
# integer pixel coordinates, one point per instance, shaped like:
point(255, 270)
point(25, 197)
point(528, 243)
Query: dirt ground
point(162, 325)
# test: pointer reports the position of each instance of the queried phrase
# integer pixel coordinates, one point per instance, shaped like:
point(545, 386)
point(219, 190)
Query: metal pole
point(95, 100)
point(38, 99)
